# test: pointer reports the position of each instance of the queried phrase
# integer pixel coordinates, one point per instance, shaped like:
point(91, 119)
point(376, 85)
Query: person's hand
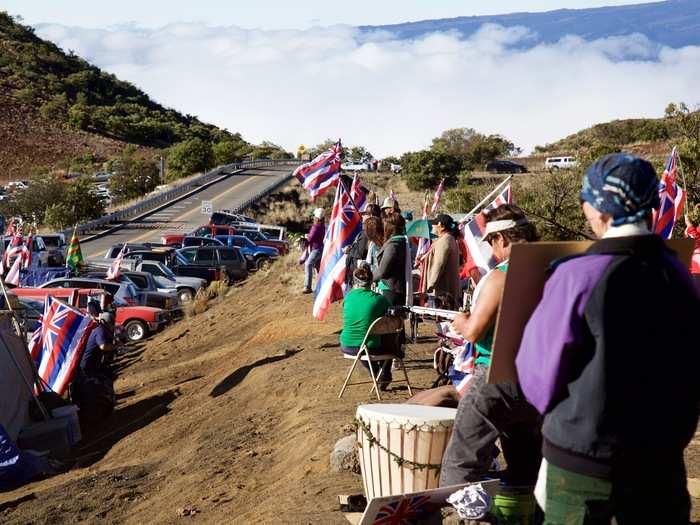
point(459, 323)
point(346, 250)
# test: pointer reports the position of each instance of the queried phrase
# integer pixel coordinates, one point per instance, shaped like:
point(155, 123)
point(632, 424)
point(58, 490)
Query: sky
point(271, 14)
point(305, 85)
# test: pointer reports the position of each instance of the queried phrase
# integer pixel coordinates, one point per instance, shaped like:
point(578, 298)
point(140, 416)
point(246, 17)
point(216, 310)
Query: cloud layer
point(295, 87)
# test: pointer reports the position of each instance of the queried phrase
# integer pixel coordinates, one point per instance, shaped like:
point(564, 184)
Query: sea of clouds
point(301, 87)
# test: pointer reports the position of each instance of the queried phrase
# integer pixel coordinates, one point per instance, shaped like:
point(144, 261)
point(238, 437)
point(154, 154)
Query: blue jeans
point(312, 261)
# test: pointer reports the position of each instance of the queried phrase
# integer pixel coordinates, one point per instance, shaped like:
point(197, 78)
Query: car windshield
point(51, 241)
point(167, 272)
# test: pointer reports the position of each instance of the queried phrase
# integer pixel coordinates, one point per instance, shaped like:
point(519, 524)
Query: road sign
point(207, 207)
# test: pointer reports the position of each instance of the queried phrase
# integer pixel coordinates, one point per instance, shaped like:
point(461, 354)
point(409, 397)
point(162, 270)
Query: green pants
point(646, 494)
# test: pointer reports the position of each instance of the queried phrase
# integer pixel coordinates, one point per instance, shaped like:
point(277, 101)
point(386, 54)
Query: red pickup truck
point(137, 322)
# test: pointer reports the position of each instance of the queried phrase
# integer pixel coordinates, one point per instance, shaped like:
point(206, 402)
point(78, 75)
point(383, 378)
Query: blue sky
point(270, 14)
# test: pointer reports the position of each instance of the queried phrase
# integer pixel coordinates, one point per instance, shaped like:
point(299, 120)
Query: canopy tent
point(15, 375)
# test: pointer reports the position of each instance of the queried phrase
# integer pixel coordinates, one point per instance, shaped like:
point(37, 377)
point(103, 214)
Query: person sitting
point(361, 307)
point(487, 412)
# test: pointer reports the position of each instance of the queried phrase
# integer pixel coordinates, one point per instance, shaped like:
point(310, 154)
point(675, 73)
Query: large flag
point(474, 233)
point(17, 251)
point(438, 194)
point(74, 257)
point(322, 172)
point(672, 198)
point(114, 269)
point(14, 273)
point(58, 343)
point(344, 225)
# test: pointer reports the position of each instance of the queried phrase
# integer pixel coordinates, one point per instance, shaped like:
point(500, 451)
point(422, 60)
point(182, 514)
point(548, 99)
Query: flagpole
point(685, 185)
point(485, 200)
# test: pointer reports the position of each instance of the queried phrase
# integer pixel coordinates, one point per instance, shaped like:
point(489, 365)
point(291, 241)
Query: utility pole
point(161, 166)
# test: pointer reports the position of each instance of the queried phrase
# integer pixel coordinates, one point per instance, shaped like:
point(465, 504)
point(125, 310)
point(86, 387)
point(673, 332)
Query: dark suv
point(505, 166)
point(227, 257)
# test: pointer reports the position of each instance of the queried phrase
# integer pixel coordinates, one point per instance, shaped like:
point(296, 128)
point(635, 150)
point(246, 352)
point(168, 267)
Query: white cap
point(388, 203)
point(499, 226)
point(318, 213)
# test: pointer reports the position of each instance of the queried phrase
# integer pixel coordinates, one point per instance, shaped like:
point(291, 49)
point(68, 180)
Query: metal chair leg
point(405, 374)
point(352, 369)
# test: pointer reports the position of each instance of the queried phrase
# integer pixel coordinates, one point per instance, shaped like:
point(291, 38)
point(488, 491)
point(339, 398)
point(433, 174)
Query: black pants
point(483, 415)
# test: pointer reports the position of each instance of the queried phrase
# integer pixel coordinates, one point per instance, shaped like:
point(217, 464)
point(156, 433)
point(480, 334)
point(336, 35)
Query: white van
point(556, 163)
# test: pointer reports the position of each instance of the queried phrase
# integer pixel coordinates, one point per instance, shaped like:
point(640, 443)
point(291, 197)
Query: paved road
point(185, 215)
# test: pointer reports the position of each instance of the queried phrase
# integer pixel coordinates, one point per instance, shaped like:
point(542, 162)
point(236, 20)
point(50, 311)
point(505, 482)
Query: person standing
point(610, 358)
point(442, 277)
point(391, 271)
point(357, 251)
point(315, 242)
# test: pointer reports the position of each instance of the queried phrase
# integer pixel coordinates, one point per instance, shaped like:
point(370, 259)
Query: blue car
point(256, 256)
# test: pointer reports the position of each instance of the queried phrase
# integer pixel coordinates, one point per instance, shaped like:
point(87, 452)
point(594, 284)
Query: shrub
point(190, 156)
point(425, 169)
point(134, 175)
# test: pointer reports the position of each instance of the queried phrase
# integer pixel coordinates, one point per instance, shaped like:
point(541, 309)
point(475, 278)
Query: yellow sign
point(301, 148)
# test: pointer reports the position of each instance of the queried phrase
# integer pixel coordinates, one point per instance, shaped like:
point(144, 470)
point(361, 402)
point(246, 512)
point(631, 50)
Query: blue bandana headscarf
point(623, 186)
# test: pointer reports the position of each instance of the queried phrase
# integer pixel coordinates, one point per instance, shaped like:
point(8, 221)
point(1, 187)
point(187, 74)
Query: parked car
point(56, 246)
point(229, 258)
point(262, 239)
point(560, 163)
point(200, 241)
point(40, 255)
point(146, 296)
point(124, 291)
point(256, 256)
point(114, 250)
point(137, 322)
point(505, 166)
point(227, 218)
point(212, 230)
point(179, 265)
point(146, 283)
point(173, 240)
point(356, 166)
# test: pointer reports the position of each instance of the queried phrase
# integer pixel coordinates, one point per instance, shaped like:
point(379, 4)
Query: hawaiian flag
point(14, 273)
point(17, 250)
point(474, 233)
point(322, 172)
point(113, 273)
point(406, 511)
point(438, 194)
point(57, 345)
point(344, 225)
point(423, 243)
point(672, 198)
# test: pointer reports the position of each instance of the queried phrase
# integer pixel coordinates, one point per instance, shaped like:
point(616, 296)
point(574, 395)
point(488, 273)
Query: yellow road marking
point(186, 214)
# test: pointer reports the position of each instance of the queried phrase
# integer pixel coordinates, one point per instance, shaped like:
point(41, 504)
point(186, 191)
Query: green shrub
point(188, 157)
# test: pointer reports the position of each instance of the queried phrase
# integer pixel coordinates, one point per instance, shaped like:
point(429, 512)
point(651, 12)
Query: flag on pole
point(672, 198)
point(423, 243)
point(474, 233)
point(13, 274)
point(17, 250)
point(344, 225)
point(114, 269)
point(322, 172)
point(74, 257)
point(58, 343)
point(438, 194)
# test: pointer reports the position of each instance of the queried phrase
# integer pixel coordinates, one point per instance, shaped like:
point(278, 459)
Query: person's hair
point(362, 276)
point(522, 233)
point(373, 210)
point(374, 229)
point(394, 224)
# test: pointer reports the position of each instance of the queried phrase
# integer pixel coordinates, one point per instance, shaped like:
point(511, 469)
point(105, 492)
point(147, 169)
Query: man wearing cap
point(615, 422)
point(315, 244)
point(442, 273)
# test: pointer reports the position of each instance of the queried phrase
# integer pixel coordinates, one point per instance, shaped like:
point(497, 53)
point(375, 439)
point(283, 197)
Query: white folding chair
point(381, 326)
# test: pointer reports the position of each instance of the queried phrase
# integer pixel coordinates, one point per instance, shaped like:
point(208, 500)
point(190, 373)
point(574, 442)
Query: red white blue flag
point(115, 268)
point(436, 198)
point(57, 345)
point(672, 198)
point(345, 223)
point(474, 233)
point(322, 172)
point(406, 511)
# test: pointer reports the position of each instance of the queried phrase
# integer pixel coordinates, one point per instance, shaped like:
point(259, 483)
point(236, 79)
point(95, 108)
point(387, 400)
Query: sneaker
point(306, 290)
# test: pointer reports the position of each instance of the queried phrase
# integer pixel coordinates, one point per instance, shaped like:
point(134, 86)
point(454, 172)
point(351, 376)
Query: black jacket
point(391, 268)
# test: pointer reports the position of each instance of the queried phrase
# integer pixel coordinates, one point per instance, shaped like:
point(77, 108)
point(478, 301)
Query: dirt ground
point(226, 417)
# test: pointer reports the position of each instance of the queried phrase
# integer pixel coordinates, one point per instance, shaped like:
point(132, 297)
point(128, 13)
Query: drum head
point(404, 414)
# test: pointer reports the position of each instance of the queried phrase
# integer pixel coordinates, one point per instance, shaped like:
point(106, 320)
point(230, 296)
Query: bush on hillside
point(423, 170)
point(230, 151)
point(475, 149)
point(134, 175)
point(188, 157)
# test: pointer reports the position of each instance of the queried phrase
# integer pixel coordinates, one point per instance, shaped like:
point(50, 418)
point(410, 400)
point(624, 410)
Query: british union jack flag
point(406, 511)
point(672, 198)
point(58, 343)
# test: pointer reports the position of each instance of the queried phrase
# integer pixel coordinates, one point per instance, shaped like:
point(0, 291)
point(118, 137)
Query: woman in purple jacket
point(315, 241)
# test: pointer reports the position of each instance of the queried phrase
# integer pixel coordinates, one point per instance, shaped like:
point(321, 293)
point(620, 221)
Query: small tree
point(134, 176)
point(190, 156)
point(425, 169)
point(229, 151)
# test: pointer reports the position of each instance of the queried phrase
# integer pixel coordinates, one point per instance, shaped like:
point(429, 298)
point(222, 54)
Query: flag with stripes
point(672, 198)
point(17, 251)
point(74, 256)
point(58, 343)
point(436, 198)
point(114, 269)
point(344, 225)
point(322, 172)
point(474, 233)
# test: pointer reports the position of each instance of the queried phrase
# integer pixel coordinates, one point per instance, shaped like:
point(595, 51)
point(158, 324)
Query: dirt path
point(228, 417)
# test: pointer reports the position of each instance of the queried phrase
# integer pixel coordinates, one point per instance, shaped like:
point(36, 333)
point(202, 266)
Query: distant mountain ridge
point(673, 23)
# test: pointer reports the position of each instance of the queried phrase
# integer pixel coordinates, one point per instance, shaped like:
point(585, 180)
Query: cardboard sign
point(525, 280)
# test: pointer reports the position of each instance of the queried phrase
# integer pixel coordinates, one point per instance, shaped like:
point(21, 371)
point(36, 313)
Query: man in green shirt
point(361, 307)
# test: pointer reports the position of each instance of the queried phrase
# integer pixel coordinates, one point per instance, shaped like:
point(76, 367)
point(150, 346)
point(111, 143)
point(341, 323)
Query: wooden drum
point(395, 441)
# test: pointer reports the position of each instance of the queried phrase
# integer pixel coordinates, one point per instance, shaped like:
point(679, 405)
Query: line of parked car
point(156, 279)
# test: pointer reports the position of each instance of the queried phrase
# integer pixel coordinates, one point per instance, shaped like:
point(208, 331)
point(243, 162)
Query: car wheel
point(261, 262)
point(185, 295)
point(136, 330)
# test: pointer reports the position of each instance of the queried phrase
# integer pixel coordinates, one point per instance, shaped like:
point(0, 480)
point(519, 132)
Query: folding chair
point(384, 325)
